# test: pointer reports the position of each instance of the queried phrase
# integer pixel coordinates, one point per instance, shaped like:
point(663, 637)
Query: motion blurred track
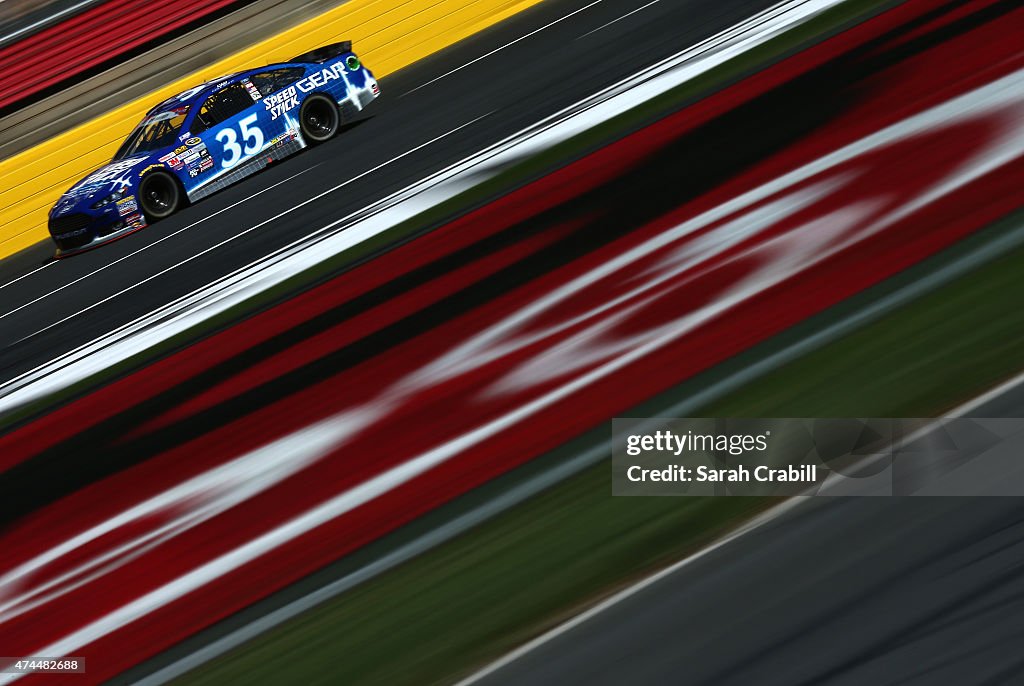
point(454, 396)
point(542, 65)
point(859, 590)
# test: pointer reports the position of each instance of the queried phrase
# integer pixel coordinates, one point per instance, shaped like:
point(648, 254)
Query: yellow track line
point(387, 34)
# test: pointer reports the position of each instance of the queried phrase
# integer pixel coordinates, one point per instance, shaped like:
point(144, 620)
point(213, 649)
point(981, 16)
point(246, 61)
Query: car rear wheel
point(319, 118)
point(160, 196)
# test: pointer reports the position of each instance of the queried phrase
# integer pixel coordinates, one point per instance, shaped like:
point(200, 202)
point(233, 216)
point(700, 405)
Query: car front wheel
point(160, 196)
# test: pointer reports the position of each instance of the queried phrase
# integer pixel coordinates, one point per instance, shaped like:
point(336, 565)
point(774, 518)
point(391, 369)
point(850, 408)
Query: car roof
point(199, 93)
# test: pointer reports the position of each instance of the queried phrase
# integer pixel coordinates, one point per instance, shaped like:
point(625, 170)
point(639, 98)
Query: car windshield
point(155, 132)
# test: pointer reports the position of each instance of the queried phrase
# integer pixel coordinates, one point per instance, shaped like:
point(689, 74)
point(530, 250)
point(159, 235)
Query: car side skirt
point(272, 153)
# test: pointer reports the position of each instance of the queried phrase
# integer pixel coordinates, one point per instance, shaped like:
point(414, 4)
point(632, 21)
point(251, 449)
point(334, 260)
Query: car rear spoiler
point(325, 53)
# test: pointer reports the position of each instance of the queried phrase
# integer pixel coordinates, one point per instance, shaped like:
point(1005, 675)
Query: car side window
point(270, 82)
point(221, 106)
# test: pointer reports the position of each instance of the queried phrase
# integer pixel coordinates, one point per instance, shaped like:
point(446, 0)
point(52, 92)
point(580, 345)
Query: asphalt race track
point(835, 591)
point(859, 590)
point(40, 314)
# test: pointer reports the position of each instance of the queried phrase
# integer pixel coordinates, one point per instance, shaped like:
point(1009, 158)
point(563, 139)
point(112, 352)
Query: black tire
point(160, 196)
point(319, 118)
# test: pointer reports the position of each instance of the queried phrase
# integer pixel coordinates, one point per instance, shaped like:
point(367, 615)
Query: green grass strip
point(472, 599)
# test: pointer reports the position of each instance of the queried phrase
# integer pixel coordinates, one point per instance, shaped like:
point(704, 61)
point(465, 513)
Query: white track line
point(499, 49)
point(240, 233)
point(108, 265)
point(629, 592)
point(988, 396)
point(423, 544)
point(557, 473)
point(756, 523)
point(26, 275)
point(206, 302)
point(736, 40)
point(627, 14)
point(50, 19)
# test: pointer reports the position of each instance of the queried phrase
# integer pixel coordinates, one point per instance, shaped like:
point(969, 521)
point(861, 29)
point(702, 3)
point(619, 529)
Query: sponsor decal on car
point(285, 137)
point(192, 150)
point(70, 234)
point(253, 93)
point(135, 221)
point(205, 165)
point(195, 155)
point(127, 205)
point(282, 102)
point(321, 78)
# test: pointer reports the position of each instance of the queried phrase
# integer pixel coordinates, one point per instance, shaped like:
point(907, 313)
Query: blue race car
point(209, 137)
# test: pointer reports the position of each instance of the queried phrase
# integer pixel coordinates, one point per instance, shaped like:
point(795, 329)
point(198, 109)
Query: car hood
point(116, 176)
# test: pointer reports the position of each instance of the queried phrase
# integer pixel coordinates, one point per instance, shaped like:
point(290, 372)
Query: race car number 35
point(251, 135)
